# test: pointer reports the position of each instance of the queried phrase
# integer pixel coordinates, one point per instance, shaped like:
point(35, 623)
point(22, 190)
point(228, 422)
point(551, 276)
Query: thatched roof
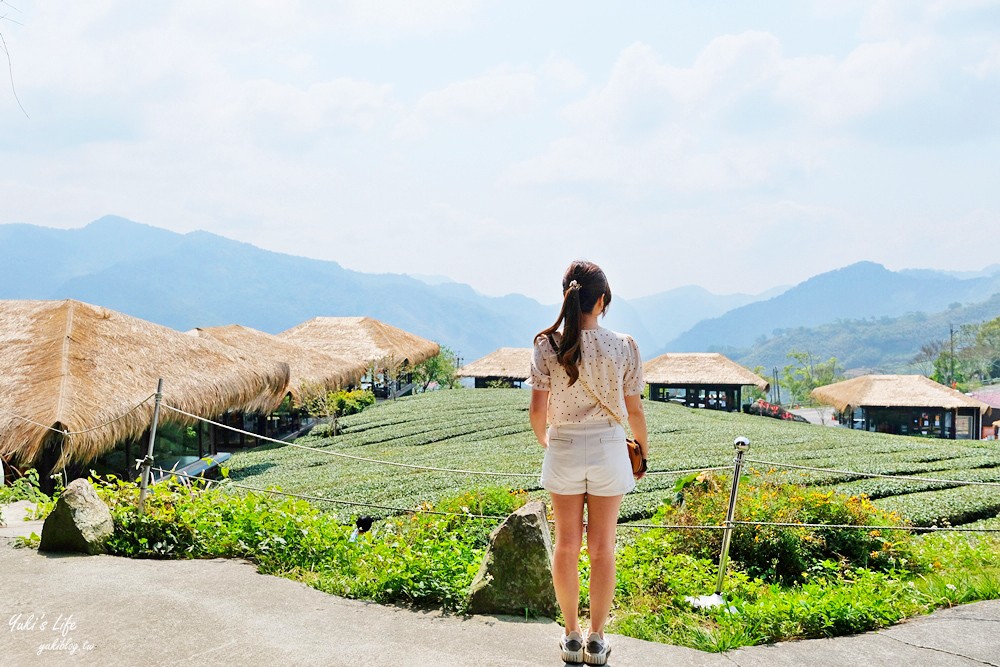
point(677, 369)
point(311, 371)
point(507, 362)
point(361, 338)
point(73, 367)
point(885, 391)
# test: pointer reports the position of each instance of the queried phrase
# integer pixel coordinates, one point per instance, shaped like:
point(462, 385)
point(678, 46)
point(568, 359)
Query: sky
point(733, 145)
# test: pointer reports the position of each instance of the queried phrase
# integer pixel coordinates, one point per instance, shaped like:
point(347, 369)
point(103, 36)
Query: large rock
point(80, 521)
point(516, 574)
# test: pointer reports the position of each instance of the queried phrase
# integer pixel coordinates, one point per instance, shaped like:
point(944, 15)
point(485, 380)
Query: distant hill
point(858, 291)
point(879, 345)
point(200, 279)
point(668, 314)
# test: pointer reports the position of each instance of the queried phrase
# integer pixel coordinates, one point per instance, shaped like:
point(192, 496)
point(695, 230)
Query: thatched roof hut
point(911, 391)
point(311, 371)
point(361, 338)
point(905, 405)
point(699, 380)
point(508, 364)
point(699, 368)
point(75, 367)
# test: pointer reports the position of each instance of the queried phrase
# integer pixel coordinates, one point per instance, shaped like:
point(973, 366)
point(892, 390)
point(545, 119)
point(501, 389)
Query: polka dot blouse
point(610, 364)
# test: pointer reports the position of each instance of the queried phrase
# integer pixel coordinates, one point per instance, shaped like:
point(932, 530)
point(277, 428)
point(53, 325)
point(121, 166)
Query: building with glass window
point(904, 405)
point(699, 380)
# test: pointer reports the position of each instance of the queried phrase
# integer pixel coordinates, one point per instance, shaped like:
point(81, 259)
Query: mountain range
point(857, 291)
point(200, 279)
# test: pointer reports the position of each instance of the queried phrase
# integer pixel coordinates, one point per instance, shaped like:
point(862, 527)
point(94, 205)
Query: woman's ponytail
point(583, 284)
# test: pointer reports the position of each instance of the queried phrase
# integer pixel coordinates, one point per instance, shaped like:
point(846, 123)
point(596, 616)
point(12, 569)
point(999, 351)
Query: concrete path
point(12, 518)
point(109, 611)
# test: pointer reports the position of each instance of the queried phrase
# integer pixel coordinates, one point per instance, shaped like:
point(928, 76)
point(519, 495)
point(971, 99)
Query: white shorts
point(589, 457)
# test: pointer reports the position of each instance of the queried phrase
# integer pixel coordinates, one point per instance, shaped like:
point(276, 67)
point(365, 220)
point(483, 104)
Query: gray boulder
point(80, 522)
point(516, 573)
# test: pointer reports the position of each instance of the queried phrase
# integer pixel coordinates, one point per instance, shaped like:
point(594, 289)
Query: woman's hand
point(538, 413)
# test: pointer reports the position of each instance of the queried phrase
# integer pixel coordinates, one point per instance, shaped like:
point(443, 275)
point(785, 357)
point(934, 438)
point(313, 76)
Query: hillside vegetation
point(859, 291)
point(487, 430)
point(882, 345)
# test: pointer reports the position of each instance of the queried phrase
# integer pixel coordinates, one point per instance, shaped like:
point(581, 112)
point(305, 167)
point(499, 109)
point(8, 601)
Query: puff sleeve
point(633, 382)
point(540, 378)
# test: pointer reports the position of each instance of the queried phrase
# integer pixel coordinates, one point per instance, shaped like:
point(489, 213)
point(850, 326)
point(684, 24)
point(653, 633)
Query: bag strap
point(602, 404)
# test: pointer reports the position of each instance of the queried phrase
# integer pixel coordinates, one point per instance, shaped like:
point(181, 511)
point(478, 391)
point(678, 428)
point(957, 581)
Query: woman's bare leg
point(568, 512)
point(602, 522)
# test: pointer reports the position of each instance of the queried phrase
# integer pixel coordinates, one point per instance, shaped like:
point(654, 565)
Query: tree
point(806, 374)
point(974, 359)
point(988, 349)
point(929, 352)
point(440, 368)
point(319, 403)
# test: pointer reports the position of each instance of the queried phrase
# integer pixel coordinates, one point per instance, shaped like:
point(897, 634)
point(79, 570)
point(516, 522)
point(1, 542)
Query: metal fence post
point(147, 461)
point(742, 445)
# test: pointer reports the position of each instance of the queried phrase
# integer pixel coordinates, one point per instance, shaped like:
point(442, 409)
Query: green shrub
point(421, 558)
point(352, 402)
point(832, 602)
point(650, 566)
point(785, 554)
point(23, 488)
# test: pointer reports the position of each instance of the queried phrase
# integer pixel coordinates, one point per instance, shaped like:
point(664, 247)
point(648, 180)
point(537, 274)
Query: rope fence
point(929, 529)
point(854, 473)
point(86, 430)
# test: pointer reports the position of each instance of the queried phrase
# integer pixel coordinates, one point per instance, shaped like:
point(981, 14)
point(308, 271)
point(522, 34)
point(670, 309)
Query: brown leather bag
point(635, 457)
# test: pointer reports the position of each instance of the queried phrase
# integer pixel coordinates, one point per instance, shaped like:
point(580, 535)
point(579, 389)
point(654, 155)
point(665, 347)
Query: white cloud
point(656, 125)
point(564, 73)
point(483, 98)
point(989, 65)
point(338, 103)
point(651, 124)
point(835, 91)
point(498, 94)
point(388, 18)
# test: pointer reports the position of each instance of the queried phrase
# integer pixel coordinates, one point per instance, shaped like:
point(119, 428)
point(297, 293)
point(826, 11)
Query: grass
point(487, 429)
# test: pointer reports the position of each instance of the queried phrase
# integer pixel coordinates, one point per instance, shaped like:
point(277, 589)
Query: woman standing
point(579, 375)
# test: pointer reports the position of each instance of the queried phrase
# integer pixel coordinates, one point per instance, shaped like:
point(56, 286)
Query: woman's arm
point(637, 420)
point(538, 413)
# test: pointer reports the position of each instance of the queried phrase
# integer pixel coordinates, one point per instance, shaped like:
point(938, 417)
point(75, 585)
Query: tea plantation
point(487, 430)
